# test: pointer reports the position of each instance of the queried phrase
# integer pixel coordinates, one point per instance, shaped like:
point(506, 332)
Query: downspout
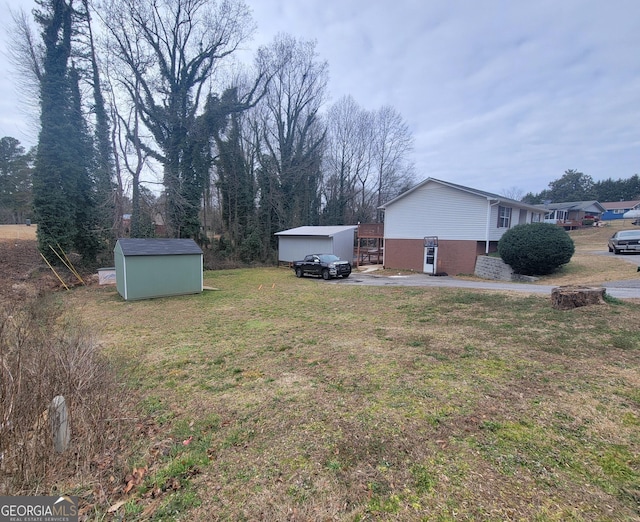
point(486, 242)
point(381, 244)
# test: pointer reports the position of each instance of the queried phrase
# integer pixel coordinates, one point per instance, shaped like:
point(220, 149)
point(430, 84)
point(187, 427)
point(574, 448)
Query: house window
point(504, 217)
point(556, 215)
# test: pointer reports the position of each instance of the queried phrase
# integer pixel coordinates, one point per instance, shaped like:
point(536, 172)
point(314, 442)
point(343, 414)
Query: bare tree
point(347, 162)
point(133, 158)
point(169, 51)
point(292, 134)
point(26, 54)
point(392, 143)
point(131, 146)
point(515, 193)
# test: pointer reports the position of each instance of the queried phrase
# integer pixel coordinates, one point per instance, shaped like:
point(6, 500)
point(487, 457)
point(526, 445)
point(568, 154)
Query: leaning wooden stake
point(67, 262)
point(53, 270)
point(73, 268)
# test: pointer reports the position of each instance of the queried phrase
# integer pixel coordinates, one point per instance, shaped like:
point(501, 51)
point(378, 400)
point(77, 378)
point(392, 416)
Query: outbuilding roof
point(328, 231)
point(158, 247)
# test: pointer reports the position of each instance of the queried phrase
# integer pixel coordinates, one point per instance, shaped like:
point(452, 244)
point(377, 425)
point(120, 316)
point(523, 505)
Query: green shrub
point(536, 248)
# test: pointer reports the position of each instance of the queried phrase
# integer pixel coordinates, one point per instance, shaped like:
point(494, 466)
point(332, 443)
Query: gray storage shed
point(147, 268)
point(295, 243)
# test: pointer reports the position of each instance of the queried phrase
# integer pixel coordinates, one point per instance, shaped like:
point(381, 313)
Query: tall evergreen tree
point(61, 185)
point(51, 180)
point(572, 186)
point(82, 189)
point(618, 190)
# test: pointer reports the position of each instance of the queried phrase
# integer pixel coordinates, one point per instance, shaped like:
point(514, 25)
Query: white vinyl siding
point(495, 232)
point(522, 217)
point(451, 213)
point(437, 210)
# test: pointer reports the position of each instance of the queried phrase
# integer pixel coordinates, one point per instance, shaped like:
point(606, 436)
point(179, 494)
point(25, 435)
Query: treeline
point(576, 186)
point(241, 151)
point(16, 170)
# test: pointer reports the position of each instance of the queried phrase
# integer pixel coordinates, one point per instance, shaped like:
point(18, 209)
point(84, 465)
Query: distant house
point(441, 227)
point(570, 214)
point(295, 243)
point(159, 227)
point(617, 209)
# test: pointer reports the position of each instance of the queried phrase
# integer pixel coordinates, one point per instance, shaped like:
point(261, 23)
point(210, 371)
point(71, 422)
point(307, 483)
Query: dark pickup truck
point(324, 265)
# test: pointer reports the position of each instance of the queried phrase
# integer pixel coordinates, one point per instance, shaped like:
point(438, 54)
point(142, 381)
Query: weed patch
point(46, 353)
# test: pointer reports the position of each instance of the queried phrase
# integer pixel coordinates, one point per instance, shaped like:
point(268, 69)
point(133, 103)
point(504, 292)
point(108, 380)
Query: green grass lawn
point(277, 398)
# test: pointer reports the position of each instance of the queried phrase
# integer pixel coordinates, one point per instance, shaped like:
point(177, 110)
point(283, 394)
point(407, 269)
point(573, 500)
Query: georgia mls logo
point(39, 509)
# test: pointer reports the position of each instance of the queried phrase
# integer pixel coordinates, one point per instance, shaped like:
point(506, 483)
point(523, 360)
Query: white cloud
point(498, 94)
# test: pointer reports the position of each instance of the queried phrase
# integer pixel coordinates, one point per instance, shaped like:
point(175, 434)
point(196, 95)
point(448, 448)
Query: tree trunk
point(569, 297)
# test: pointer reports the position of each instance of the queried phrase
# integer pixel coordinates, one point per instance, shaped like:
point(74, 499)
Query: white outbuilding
point(295, 243)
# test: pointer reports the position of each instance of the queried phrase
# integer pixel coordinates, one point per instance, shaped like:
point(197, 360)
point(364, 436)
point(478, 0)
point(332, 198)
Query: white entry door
point(430, 254)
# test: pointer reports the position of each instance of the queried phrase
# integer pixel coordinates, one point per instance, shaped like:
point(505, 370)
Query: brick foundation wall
point(454, 257)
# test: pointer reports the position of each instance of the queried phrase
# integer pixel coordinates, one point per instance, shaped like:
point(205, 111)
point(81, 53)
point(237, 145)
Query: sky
point(501, 96)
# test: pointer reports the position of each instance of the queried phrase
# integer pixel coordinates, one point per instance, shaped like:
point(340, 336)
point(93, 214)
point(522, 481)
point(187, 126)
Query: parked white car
point(625, 241)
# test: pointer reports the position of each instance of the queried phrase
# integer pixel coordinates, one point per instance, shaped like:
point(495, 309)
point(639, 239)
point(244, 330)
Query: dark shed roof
point(158, 247)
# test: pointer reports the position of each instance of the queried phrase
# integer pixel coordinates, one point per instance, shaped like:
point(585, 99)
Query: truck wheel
point(345, 275)
point(298, 272)
point(325, 274)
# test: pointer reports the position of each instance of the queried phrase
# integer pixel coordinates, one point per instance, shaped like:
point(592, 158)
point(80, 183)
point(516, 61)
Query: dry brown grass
point(18, 232)
point(594, 239)
point(44, 354)
point(592, 263)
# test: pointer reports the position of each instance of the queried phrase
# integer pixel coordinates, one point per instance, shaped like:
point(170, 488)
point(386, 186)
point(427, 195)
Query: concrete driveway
point(634, 259)
point(627, 289)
